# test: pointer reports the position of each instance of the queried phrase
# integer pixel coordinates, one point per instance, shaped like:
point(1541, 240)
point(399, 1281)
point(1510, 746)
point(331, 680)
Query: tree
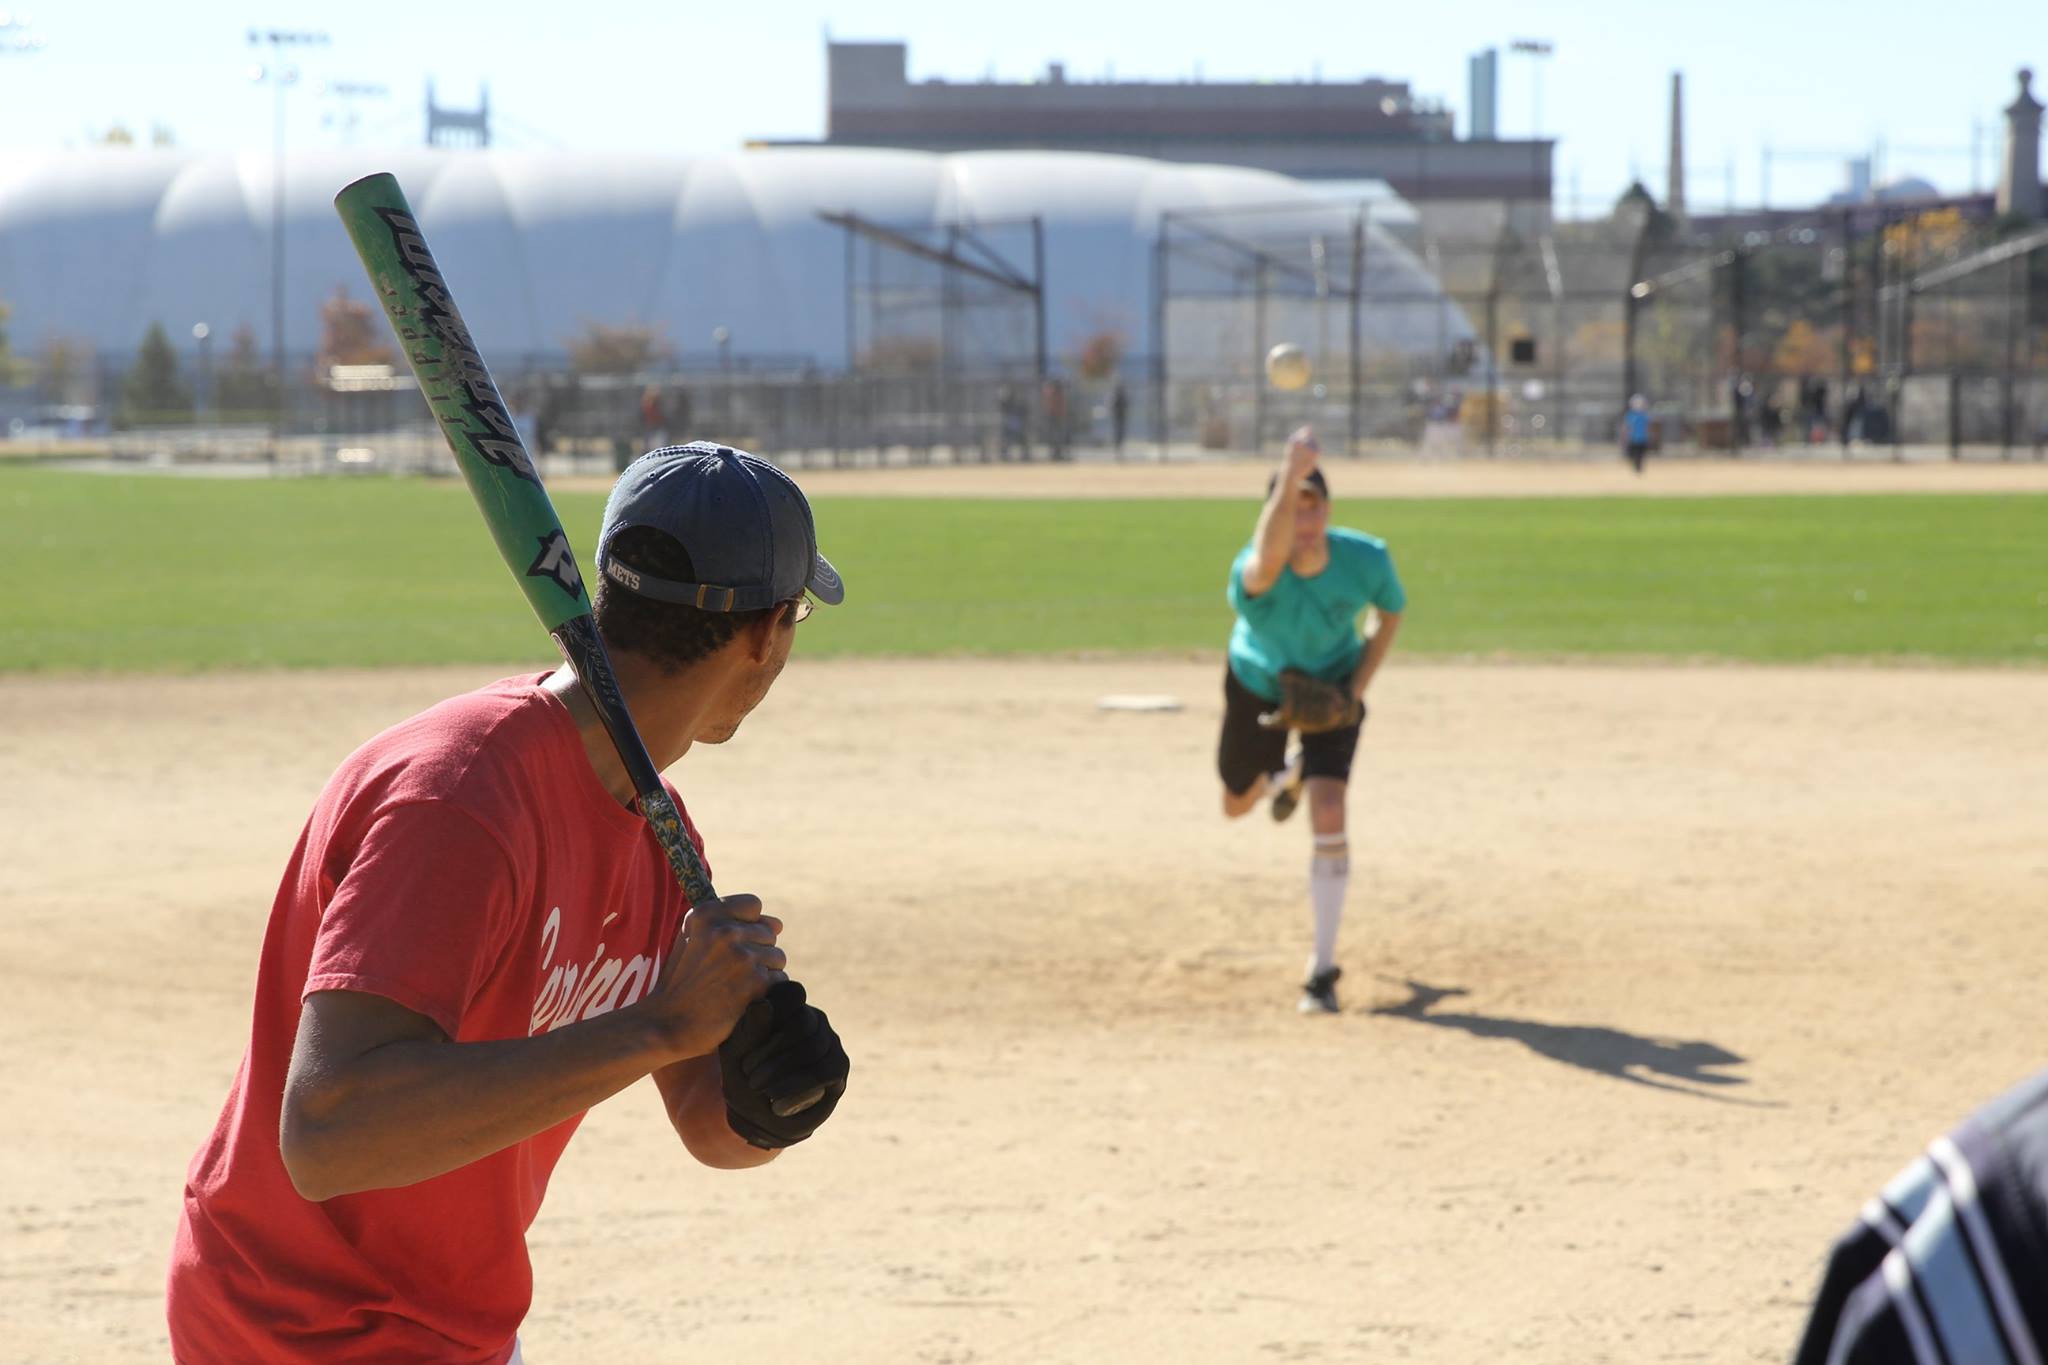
point(121, 135)
point(630, 348)
point(1929, 239)
point(10, 368)
point(351, 333)
point(1598, 340)
point(245, 386)
point(65, 371)
point(1804, 349)
point(153, 390)
point(1101, 354)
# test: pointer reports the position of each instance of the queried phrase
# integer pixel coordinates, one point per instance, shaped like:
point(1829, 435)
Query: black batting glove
point(781, 1051)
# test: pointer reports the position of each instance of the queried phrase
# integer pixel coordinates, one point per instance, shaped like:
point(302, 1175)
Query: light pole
point(281, 77)
point(347, 93)
point(1535, 49)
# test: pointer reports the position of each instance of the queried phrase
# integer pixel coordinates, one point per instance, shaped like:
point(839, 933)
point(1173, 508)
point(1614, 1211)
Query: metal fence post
point(1630, 301)
point(1358, 228)
point(1259, 356)
point(1493, 366)
point(1736, 325)
point(1632, 295)
point(852, 347)
point(2040, 422)
point(1038, 299)
point(1847, 325)
point(1955, 414)
point(2008, 391)
point(1560, 405)
point(1905, 347)
point(1160, 256)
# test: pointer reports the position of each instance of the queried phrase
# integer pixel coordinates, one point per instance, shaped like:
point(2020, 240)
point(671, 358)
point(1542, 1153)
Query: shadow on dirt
point(1661, 1063)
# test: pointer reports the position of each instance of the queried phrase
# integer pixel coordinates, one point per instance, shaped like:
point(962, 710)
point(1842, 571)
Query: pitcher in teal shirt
point(1301, 589)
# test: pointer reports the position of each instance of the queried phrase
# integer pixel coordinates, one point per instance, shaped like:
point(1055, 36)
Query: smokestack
point(1483, 72)
point(1674, 184)
point(1859, 180)
point(2019, 173)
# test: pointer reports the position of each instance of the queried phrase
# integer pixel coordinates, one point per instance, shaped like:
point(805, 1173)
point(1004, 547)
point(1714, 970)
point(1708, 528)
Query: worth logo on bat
point(556, 562)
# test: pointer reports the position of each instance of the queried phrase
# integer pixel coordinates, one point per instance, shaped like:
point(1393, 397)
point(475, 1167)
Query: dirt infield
point(1654, 976)
point(1468, 478)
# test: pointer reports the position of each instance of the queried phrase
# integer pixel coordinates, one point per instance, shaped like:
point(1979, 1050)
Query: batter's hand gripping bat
point(507, 488)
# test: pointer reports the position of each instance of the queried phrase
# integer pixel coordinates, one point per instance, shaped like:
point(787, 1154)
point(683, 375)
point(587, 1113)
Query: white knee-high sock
point(1329, 874)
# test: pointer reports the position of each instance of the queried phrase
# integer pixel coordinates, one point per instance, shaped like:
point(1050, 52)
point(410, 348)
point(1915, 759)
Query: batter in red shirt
point(477, 938)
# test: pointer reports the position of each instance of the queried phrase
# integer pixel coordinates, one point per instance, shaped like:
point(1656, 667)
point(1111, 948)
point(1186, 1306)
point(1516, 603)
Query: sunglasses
point(799, 606)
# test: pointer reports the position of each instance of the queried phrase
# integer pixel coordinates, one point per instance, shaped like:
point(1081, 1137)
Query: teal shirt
point(1310, 624)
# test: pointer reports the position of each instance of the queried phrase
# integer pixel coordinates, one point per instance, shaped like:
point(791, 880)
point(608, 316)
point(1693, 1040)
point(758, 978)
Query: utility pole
point(280, 76)
point(1674, 158)
point(1847, 326)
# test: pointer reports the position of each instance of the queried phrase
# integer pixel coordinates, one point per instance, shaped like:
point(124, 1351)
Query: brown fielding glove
point(1312, 706)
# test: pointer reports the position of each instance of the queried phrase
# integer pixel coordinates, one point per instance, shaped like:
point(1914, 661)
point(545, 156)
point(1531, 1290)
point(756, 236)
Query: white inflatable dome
point(95, 245)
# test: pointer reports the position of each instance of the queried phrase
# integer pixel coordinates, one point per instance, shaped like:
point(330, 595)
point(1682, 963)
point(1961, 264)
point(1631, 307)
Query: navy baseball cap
point(745, 524)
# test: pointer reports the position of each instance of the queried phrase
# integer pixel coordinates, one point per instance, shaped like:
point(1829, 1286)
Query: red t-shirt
point(469, 865)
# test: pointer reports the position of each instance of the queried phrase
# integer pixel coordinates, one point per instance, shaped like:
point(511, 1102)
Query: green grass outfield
point(145, 574)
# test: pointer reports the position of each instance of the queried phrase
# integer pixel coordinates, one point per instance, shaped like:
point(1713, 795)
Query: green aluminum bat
point(507, 487)
point(501, 476)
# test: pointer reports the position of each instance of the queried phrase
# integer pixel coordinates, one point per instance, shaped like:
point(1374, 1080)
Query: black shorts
point(1249, 748)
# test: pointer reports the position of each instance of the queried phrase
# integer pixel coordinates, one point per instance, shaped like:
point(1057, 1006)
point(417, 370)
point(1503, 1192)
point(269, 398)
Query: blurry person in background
point(1635, 431)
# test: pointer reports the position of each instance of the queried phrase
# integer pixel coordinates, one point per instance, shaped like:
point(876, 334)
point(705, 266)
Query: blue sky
point(1817, 80)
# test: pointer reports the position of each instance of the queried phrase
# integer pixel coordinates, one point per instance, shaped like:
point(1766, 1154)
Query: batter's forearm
point(417, 1108)
point(695, 1096)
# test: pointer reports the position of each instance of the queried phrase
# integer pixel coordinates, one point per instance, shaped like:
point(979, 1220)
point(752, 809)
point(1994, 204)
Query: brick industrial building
point(1315, 130)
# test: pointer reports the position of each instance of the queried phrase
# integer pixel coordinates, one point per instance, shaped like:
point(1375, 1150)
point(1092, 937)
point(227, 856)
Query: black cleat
point(1319, 994)
point(1287, 795)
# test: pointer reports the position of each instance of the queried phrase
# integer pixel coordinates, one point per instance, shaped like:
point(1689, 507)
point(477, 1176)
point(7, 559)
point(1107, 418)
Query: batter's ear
point(758, 635)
